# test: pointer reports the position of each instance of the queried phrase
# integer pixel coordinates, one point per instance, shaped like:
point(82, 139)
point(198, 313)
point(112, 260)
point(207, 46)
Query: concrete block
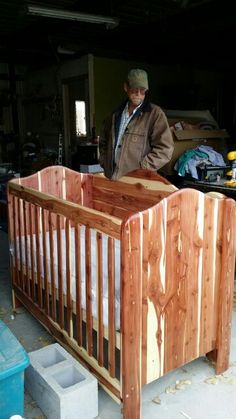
point(61, 386)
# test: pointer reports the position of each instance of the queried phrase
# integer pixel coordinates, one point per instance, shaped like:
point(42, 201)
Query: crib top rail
point(75, 212)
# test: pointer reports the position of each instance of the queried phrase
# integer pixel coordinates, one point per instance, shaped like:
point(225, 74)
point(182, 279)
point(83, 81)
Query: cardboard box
point(190, 138)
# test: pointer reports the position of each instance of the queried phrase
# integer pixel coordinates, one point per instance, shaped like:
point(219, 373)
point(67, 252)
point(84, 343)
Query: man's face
point(136, 96)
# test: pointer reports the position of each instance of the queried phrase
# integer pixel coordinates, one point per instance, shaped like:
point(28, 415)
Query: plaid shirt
point(125, 118)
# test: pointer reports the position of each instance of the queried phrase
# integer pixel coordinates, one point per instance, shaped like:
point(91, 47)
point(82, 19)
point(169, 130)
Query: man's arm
point(162, 144)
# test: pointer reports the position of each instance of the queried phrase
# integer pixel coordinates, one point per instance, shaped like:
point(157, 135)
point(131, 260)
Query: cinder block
point(61, 386)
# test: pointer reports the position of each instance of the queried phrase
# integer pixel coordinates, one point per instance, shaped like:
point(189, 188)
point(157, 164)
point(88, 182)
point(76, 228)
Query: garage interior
point(55, 53)
point(47, 62)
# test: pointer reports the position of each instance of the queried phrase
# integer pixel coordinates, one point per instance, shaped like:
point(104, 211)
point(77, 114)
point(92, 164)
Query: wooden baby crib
point(133, 276)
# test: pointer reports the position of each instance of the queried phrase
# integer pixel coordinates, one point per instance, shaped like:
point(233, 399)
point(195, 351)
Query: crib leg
point(131, 406)
point(15, 301)
point(220, 357)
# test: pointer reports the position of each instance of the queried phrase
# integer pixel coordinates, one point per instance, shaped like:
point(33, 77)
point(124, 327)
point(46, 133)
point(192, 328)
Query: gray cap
point(137, 78)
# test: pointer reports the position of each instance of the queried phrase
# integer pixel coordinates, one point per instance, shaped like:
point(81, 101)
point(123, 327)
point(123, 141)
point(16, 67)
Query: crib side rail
point(41, 229)
point(77, 213)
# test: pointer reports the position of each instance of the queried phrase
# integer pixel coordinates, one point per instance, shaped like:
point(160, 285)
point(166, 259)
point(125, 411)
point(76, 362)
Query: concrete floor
point(192, 392)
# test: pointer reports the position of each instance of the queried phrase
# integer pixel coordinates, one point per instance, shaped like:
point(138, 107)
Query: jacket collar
point(145, 107)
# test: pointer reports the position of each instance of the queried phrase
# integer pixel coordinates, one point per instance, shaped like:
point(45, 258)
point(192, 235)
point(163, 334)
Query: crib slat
point(60, 283)
point(52, 260)
point(32, 264)
point(16, 276)
point(26, 247)
point(37, 234)
point(78, 286)
point(68, 281)
point(88, 291)
point(100, 300)
point(111, 308)
point(20, 243)
point(45, 265)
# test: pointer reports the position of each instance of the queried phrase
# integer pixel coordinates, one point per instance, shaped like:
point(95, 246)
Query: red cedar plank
point(32, 262)
point(87, 190)
point(52, 180)
point(146, 240)
point(154, 222)
point(226, 285)
point(209, 277)
point(219, 243)
point(78, 285)
point(212, 355)
point(191, 267)
point(20, 223)
point(182, 262)
point(29, 181)
point(111, 308)
point(112, 209)
point(16, 260)
point(37, 234)
point(131, 317)
point(170, 304)
point(148, 174)
point(25, 213)
point(133, 203)
point(68, 281)
point(52, 261)
point(100, 333)
point(88, 291)
point(73, 186)
point(45, 265)
point(59, 273)
point(129, 189)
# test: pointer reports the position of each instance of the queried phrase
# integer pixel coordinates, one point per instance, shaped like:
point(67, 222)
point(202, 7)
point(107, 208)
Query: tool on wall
point(59, 160)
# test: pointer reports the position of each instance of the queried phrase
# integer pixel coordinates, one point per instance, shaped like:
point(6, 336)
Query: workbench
point(204, 186)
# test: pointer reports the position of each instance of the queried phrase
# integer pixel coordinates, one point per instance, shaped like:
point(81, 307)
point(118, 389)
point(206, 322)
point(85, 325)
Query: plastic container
point(13, 361)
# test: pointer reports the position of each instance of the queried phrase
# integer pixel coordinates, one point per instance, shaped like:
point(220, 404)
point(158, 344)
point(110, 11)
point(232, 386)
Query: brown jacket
point(147, 142)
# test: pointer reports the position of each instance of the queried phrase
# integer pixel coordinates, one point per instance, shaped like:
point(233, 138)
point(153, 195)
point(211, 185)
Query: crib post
point(131, 300)
point(226, 287)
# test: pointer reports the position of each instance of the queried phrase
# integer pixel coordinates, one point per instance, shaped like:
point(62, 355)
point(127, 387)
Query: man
point(137, 134)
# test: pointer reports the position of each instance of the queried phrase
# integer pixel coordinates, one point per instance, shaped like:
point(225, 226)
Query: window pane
point(80, 118)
